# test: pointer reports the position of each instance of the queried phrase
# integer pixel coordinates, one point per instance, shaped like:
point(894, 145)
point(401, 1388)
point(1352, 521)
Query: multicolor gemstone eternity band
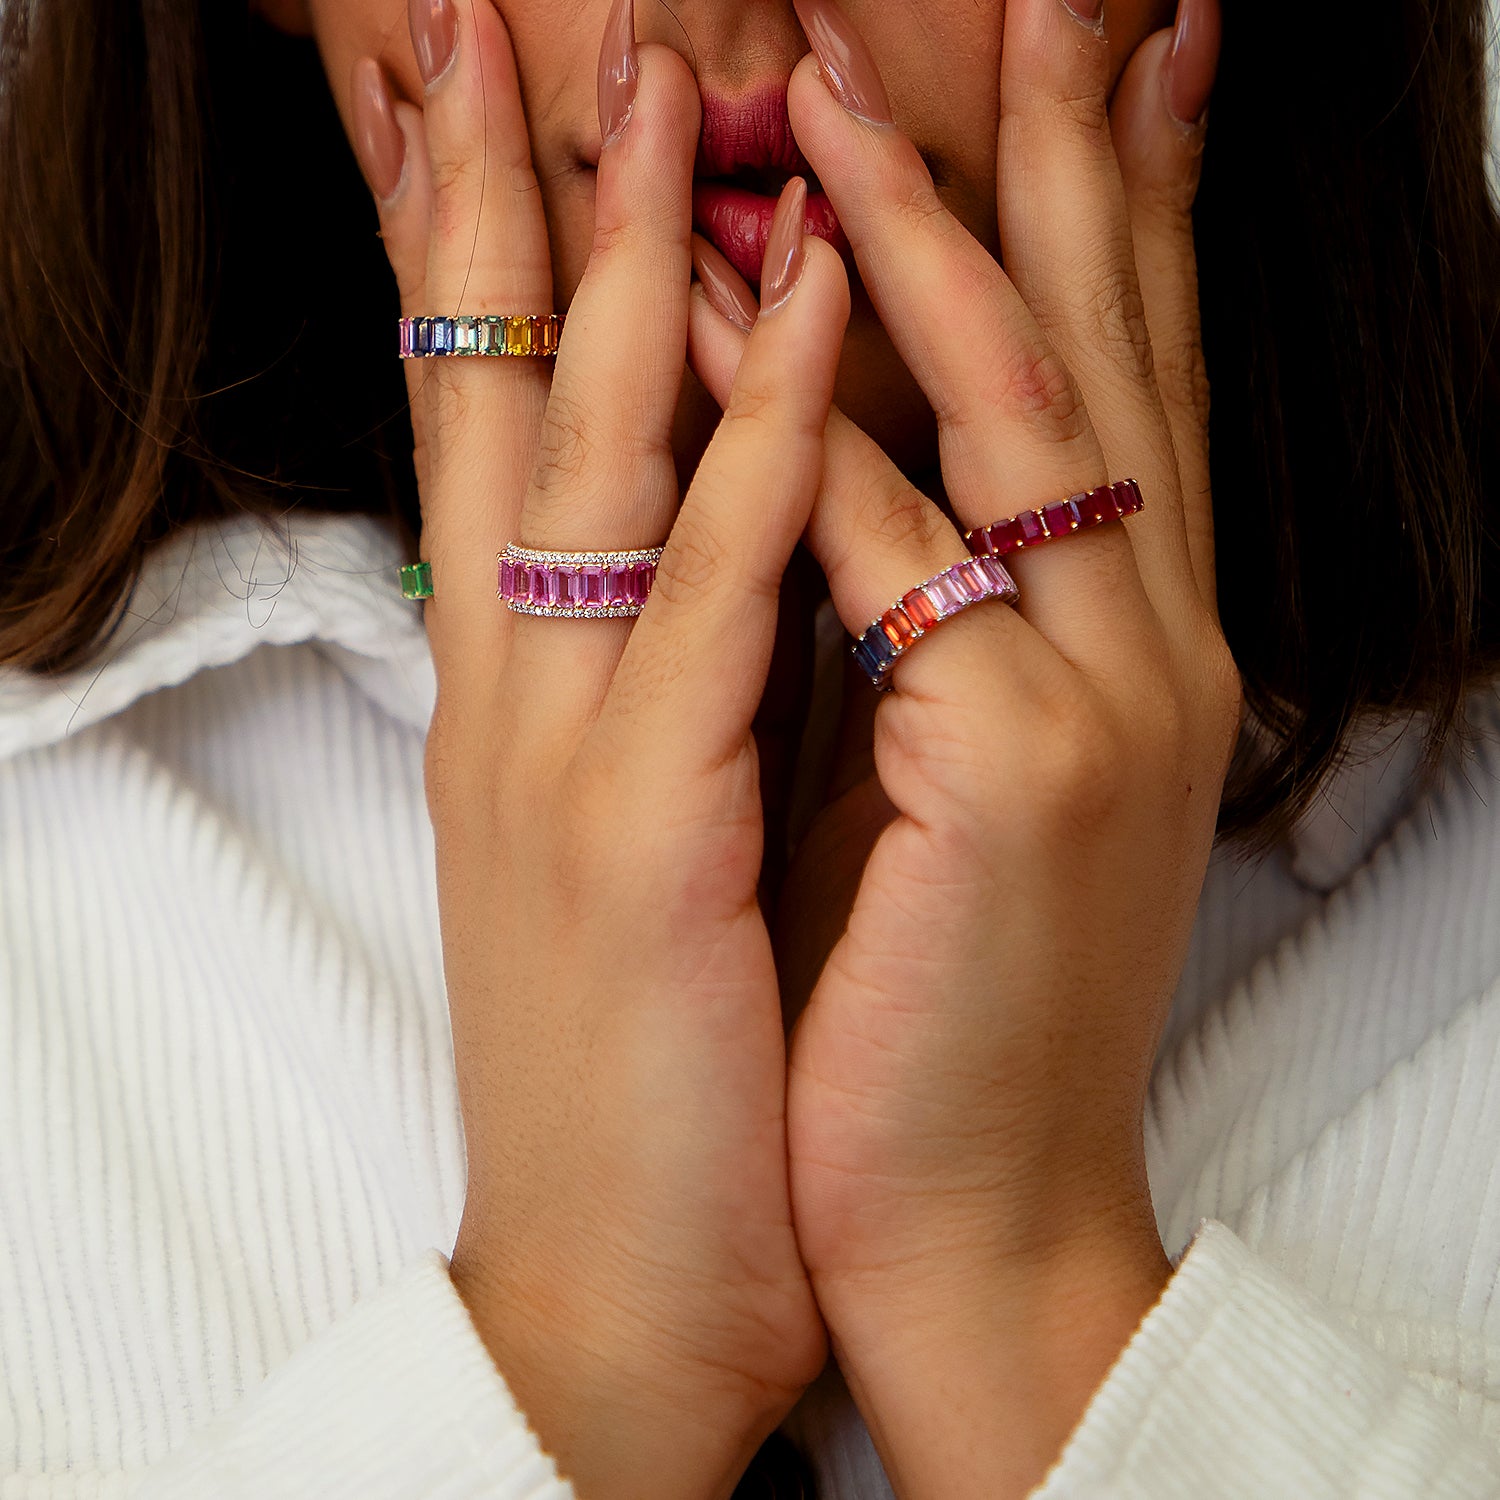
point(518, 336)
point(577, 585)
point(1110, 502)
point(925, 607)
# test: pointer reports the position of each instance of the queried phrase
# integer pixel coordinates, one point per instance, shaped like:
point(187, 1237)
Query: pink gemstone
point(1060, 518)
point(919, 609)
point(1032, 530)
point(972, 580)
point(614, 585)
point(593, 585)
point(406, 339)
point(946, 594)
point(1001, 583)
point(507, 578)
point(569, 588)
point(637, 585)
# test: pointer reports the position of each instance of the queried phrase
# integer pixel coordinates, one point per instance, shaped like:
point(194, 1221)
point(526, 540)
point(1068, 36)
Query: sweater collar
point(214, 591)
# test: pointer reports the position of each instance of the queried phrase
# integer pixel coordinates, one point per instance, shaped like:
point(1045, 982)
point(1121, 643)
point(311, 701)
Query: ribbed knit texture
point(231, 1156)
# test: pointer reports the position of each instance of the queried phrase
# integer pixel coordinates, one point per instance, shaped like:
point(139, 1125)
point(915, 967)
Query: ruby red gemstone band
point(1110, 502)
point(516, 335)
point(920, 611)
point(576, 585)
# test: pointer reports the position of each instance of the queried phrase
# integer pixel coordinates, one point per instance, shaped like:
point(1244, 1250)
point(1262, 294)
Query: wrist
point(618, 1421)
point(972, 1383)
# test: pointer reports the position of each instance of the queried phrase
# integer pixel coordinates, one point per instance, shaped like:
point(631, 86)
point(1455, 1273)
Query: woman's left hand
point(969, 1075)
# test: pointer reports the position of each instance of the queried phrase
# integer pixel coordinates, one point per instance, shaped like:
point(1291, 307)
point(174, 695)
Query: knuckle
point(758, 413)
point(1182, 375)
point(566, 445)
point(1032, 381)
point(1119, 316)
point(695, 556)
point(905, 520)
point(1084, 112)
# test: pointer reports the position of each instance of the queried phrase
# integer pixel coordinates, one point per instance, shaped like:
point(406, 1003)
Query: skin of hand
point(1026, 833)
point(626, 1247)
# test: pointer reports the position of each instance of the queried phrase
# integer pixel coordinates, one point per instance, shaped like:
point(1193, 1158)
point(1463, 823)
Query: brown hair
point(177, 343)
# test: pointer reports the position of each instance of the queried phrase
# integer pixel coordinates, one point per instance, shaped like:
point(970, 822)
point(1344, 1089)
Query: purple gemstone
point(1032, 530)
point(946, 595)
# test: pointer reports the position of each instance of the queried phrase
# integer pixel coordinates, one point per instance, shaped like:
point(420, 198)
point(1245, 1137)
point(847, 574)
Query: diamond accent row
point(925, 607)
point(577, 585)
point(523, 335)
point(1110, 502)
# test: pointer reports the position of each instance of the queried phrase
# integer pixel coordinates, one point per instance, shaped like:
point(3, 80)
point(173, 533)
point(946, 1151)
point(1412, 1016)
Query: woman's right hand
point(626, 1245)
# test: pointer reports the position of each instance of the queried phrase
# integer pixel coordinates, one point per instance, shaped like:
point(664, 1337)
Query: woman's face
point(939, 60)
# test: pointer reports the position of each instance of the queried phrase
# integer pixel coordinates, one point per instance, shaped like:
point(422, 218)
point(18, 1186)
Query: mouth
point(746, 155)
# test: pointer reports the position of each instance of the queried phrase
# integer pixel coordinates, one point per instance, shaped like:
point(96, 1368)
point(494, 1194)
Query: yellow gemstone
point(518, 336)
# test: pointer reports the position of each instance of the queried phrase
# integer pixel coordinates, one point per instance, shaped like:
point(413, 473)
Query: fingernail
point(844, 60)
point(619, 70)
point(722, 286)
point(378, 143)
point(1086, 11)
point(434, 31)
point(1188, 73)
point(784, 255)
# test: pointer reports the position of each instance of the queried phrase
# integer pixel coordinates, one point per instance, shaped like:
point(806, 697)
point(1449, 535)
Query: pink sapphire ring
point(577, 585)
point(925, 607)
point(1110, 502)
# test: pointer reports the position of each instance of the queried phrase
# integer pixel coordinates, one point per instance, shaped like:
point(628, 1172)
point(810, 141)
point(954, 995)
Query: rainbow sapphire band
point(1110, 502)
point(577, 585)
point(925, 607)
point(520, 336)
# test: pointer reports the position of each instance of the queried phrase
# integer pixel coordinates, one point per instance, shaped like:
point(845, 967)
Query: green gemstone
point(416, 580)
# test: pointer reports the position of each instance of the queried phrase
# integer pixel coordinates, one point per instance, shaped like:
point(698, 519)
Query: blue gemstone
point(421, 340)
point(874, 652)
point(442, 335)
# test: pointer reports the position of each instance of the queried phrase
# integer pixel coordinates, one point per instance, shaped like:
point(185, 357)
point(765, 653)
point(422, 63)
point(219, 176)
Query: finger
point(1165, 83)
point(1013, 431)
point(695, 666)
point(606, 478)
point(877, 537)
point(390, 143)
point(487, 254)
point(1065, 241)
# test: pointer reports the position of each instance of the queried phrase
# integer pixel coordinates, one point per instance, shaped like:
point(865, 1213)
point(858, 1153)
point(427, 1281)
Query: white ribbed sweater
point(231, 1159)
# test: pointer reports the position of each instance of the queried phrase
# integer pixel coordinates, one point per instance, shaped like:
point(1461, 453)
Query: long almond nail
point(378, 143)
point(434, 34)
point(784, 255)
point(619, 69)
point(1188, 73)
point(844, 60)
point(722, 285)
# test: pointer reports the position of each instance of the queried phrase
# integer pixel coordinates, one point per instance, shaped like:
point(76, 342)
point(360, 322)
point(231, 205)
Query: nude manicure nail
point(844, 60)
point(1087, 11)
point(722, 286)
point(434, 33)
point(378, 142)
point(619, 69)
point(1188, 73)
point(784, 255)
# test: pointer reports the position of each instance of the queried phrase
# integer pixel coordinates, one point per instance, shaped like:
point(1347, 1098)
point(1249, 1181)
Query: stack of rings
point(921, 610)
point(577, 585)
point(518, 335)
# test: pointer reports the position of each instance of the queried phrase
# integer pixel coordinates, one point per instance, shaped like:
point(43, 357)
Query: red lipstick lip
point(740, 136)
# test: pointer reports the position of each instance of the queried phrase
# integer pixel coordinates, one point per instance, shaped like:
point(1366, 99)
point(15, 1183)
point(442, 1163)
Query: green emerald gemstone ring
point(416, 580)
